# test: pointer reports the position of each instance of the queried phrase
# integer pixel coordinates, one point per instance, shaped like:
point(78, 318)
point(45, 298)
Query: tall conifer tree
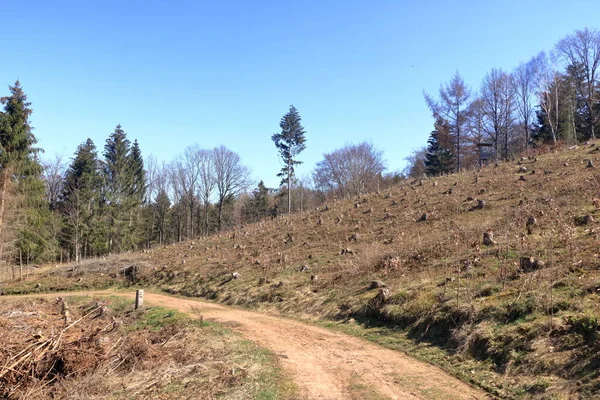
point(18, 164)
point(81, 199)
point(290, 142)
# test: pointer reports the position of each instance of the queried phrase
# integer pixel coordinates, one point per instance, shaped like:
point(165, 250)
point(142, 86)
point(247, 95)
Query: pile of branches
point(41, 360)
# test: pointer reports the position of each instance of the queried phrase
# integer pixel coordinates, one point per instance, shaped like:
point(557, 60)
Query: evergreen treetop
point(290, 142)
point(16, 137)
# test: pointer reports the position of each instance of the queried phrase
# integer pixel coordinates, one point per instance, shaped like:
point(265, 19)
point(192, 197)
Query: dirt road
point(326, 364)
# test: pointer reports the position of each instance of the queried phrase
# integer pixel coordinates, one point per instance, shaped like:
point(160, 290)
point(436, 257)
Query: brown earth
point(326, 364)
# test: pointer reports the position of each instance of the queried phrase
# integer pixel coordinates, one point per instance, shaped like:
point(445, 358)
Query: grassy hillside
point(519, 317)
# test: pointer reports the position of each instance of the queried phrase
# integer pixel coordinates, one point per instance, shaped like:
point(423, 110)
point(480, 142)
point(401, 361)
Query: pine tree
point(35, 241)
point(258, 206)
point(141, 216)
point(81, 199)
point(138, 172)
point(290, 142)
point(17, 154)
point(120, 192)
point(439, 158)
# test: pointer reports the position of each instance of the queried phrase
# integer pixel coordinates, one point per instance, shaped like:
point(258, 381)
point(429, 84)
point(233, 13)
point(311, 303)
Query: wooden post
point(139, 298)
point(65, 312)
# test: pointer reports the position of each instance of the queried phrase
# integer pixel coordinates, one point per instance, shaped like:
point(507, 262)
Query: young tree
point(581, 50)
point(17, 154)
point(231, 177)
point(290, 142)
point(451, 107)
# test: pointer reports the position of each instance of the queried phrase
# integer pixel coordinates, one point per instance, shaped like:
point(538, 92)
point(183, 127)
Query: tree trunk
point(458, 139)
point(289, 185)
point(77, 248)
point(191, 227)
point(5, 177)
point(220, 215)
point(206, 218)
point(20, 265)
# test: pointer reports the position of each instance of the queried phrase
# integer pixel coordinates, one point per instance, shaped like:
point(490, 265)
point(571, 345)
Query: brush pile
point(84, 348)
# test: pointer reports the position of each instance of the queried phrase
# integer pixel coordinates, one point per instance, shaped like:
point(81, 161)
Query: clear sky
point(174, 73)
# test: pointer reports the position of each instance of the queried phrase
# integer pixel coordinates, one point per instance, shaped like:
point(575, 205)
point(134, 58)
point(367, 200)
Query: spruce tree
point(18, 164)
point(290, 142)
point(141, 213)
point(120, 195)
point(258, 206)
point(138, 172)
point(439, 158)
point(81, 199)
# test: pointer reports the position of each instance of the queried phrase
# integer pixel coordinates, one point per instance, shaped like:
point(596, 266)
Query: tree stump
point(376, 285)
point(531, 222)
point(529, 264)
point(590, 164)
point(488, 238)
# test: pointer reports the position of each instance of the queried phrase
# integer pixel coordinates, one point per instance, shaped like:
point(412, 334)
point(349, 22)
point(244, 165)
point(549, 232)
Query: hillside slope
point(518, 317)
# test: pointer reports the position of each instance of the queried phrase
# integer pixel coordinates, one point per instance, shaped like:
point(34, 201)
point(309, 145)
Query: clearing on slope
point(513, 326)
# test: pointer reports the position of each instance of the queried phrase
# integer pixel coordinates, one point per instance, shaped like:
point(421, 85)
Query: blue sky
point(174, 73)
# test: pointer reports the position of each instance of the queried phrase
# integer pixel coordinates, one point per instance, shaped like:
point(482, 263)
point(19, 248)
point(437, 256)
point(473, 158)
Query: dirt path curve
point(326, 364)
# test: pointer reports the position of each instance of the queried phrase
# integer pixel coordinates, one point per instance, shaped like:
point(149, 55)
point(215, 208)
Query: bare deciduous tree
point(54, 175)
point(548, 95)
point(497, 95)
point(526, 80)
point(207, 183)
point(351, 170)
point(581, 51)
point(231, 177)
point(415, 163)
